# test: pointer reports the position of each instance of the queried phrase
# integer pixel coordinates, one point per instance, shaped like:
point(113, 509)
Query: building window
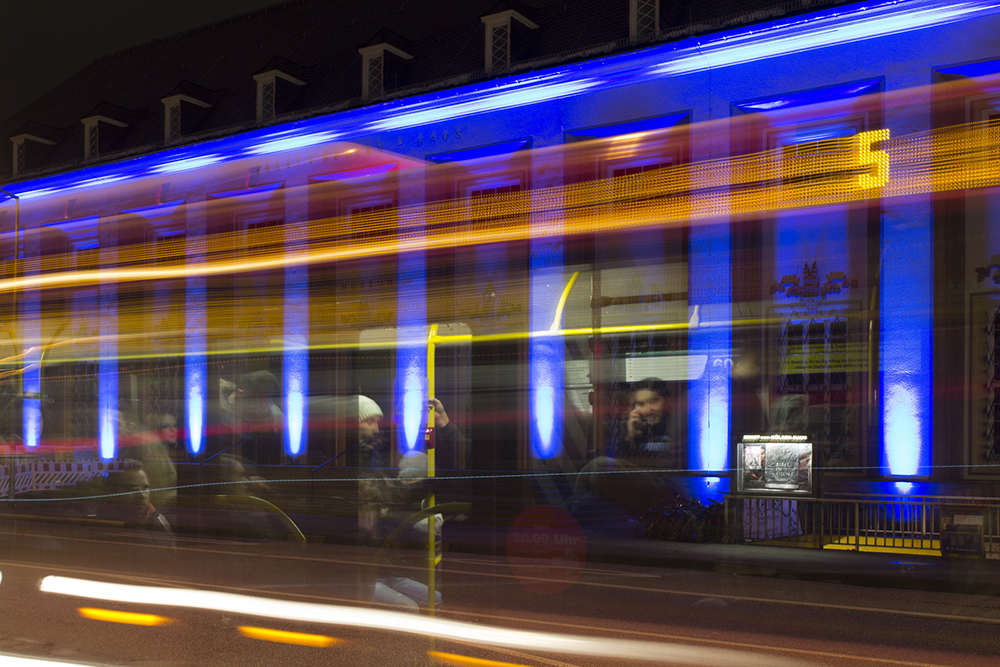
point(499, 47)
point(267, 101)
point(175, 119)
point(375, 76)
point(644, 18)
point(93, 145)
point(813, 390)
point(20, 157)
point(174, 123)
point(382, 65)
point(20, 153)
point(268, 92)
point(499, 29)
point(807, 165)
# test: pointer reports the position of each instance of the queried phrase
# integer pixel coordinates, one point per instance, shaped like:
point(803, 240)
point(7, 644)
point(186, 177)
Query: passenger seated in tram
point(258, 417)
point(388, 502)
point(648, 420)
point(246, 419)
point(645, 435)
point(128, 501)
point(148, 447)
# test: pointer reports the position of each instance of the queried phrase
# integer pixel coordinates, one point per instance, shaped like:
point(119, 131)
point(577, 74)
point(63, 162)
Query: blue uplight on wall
point(31, 412)
point(295, 354)
point(195, 364)
point(194, 400)
point(546, 353)
point(411, 363)
point(906, 304)
point(296, 364)
point(107, 403)
point(709, 394)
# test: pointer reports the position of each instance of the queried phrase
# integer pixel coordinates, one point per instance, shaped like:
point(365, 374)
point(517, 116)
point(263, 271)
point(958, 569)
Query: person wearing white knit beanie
point(369, 416)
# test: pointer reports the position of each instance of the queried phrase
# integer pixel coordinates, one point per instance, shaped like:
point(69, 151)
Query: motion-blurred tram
point(601, 290)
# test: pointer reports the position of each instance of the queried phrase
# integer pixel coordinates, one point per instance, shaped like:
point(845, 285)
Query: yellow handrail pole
point(432, 338)
point(562, 302)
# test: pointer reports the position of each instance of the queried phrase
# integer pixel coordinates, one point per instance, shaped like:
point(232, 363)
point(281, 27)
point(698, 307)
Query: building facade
point(851, 305)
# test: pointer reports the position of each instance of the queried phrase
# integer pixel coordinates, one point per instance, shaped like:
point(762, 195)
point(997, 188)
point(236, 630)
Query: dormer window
point(499, 36)
point(92, 134)
point(643, 18)
point(174, 114)
point(269, 84)
point(378, 72)
point(20, 153)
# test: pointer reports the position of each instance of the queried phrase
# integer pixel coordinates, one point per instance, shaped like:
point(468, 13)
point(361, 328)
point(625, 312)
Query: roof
point(318, 41)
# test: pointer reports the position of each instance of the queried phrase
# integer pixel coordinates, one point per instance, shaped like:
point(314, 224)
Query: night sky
point(44, 42)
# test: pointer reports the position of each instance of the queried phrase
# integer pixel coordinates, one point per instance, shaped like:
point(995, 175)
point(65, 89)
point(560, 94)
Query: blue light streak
point(723, 49)
point(814, 96)
point(156, 210)
point(632, 127)
point(355, 175)
point(187, 164)
point(461, 104)
point(819, 30)
point(492, 150)
point(249, 194)
point(291, 143)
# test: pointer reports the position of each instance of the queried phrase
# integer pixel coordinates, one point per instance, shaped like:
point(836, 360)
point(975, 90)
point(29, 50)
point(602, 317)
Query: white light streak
point(406, 623)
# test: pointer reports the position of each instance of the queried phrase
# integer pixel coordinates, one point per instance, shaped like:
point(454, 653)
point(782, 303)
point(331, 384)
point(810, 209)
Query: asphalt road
point(652, 615)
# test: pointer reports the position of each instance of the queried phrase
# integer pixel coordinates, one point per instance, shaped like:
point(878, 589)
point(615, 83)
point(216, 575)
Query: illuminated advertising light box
point(775, 465)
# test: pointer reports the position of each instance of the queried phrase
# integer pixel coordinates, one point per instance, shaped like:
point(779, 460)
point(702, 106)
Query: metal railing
point(861, 522)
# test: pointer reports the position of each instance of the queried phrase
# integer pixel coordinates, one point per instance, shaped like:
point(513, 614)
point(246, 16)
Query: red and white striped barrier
point(52, 475)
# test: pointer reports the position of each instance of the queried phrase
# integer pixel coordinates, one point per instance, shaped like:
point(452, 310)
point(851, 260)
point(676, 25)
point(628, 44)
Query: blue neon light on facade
point(841, 25)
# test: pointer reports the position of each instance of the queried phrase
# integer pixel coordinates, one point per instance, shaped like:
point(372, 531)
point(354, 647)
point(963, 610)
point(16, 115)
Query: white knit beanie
point(368, 409)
